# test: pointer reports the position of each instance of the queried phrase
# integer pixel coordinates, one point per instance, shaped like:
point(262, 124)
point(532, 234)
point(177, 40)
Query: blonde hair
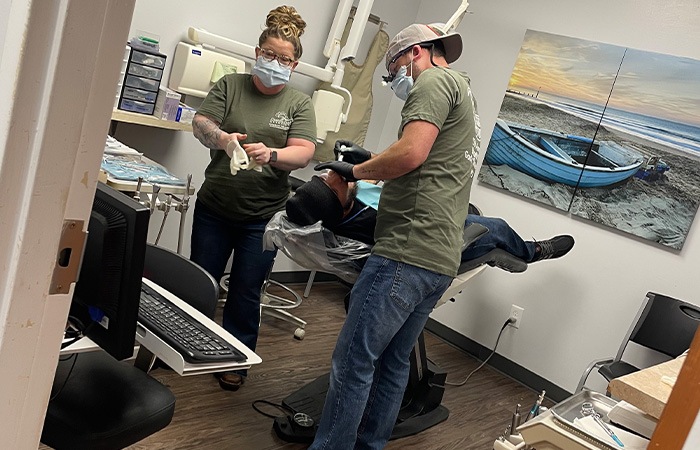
point(284, 22)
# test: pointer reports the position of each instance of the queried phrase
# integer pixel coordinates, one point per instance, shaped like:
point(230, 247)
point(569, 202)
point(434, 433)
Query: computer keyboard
point(194, 341)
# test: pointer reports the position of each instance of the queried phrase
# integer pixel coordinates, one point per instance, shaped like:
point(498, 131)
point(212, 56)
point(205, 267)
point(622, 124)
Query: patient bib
point(368, 193)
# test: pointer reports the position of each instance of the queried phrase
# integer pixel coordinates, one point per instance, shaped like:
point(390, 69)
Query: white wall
point(576, 309)
point(579, 308)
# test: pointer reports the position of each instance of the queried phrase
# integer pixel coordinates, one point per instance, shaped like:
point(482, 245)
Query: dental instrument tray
point(565, 413)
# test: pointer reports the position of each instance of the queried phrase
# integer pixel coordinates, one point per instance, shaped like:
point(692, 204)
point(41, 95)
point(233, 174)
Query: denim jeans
point(389, 306)
point(500, 235)
point(213, 240)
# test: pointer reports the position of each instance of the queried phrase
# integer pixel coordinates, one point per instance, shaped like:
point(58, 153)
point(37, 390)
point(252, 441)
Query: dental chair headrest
point(314, 201)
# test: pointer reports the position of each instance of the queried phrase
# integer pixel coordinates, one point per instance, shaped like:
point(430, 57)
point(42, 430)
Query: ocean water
point(679, 136)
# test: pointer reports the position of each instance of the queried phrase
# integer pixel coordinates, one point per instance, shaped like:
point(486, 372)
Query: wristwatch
point(273, 156)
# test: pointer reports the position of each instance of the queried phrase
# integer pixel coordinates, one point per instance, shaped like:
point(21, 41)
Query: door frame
point(59, 66)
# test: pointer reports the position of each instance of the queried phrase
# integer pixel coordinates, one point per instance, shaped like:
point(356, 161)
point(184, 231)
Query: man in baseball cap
point(419, 33)
point(427, 177)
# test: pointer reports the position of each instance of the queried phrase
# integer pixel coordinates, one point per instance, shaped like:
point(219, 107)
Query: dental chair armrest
point(471, 233)
point(496, 258)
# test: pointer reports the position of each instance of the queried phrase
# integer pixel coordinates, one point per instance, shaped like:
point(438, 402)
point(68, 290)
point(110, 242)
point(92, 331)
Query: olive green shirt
point(239, 107)
point(421, 214)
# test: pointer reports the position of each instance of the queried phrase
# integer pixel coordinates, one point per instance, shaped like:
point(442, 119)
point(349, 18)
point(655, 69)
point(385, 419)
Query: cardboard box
point(185, 114)
point(167, 104)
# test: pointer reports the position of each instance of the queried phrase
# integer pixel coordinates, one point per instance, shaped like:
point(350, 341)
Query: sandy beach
point(660, 211)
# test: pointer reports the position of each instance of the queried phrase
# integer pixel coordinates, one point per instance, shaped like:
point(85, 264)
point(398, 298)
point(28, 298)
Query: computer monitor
point(107, 294)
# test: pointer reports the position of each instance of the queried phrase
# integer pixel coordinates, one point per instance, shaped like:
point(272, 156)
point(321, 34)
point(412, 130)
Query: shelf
point(149, 121)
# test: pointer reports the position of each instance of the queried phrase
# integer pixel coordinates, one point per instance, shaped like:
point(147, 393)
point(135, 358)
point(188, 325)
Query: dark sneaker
point(556, 247)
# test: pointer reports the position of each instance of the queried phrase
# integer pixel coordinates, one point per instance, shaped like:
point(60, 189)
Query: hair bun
point(287, 20)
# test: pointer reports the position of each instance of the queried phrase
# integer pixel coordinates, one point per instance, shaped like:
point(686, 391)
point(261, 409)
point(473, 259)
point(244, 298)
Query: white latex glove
point(239, 158)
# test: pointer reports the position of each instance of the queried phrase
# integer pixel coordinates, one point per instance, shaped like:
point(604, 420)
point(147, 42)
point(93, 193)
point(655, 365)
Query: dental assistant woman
point(276, 126)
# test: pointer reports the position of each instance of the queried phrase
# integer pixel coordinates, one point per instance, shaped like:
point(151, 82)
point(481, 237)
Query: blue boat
point(561, 158)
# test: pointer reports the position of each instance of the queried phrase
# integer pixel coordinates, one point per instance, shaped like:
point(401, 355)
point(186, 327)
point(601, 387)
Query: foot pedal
point(299, 427)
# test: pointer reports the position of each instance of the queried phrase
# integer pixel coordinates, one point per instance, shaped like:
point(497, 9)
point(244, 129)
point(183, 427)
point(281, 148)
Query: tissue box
point(167, 104)
point(185, 114)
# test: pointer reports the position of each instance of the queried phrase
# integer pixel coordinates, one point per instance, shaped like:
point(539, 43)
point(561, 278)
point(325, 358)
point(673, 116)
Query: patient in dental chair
point(350, 209)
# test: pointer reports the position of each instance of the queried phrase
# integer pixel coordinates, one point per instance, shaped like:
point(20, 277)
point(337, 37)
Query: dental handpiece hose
point(536, 407)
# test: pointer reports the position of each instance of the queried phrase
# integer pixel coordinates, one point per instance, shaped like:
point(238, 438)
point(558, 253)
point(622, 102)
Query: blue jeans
point(389, 306)
point(213, 240)
point(500, 235)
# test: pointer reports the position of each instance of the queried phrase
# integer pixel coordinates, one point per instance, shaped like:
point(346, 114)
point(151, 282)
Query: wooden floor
point(207, 417)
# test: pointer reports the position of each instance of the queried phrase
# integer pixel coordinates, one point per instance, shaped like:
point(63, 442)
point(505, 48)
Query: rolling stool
point(276, 305)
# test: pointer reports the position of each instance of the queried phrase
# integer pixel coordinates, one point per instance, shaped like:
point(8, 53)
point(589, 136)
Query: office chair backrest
point(666, 325)
point(182, 277)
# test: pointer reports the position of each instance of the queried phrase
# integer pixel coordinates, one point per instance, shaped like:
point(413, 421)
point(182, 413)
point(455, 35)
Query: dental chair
point(318, 249)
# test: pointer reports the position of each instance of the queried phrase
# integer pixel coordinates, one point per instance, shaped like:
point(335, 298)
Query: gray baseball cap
point(419, 33)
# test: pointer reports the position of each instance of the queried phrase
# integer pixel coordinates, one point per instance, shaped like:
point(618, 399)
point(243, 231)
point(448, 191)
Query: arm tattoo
point(207, 132)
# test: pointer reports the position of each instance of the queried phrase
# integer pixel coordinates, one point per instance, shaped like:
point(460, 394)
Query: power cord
point(463, 382)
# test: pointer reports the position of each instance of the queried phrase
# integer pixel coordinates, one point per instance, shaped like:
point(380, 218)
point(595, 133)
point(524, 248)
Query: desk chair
point(99, 403)
point(662, 324)
point(184, 278)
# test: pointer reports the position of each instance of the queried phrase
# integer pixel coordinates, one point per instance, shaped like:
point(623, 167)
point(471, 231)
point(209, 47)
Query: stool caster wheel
point(299, 334)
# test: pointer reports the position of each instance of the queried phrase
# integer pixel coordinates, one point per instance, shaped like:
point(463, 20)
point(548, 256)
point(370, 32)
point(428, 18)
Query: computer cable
point(65, 380)
point(73, 331)
point(463, 382)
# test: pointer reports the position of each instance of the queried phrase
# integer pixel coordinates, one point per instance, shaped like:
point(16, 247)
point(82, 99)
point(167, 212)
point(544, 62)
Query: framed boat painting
point(604, 132)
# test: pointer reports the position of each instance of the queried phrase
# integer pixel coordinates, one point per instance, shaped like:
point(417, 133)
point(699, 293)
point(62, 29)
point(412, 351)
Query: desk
point(644, 389)
point(150, 121)
point(170, 356)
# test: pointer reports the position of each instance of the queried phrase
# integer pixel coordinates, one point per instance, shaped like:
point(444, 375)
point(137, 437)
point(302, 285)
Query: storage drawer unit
point(140, 80)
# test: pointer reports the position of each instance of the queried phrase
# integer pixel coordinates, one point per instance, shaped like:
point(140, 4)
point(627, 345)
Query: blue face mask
point(271, 73)
point(402, 83)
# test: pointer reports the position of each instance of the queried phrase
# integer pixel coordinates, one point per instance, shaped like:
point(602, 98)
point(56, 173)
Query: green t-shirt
point(421, 214)
point(239, 107)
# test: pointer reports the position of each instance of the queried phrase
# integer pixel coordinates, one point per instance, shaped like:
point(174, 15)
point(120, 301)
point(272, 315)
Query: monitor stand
point(420, 410)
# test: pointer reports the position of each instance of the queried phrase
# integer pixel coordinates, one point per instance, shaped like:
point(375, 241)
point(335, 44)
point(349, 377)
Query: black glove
point(342, 168)
point(351, 152)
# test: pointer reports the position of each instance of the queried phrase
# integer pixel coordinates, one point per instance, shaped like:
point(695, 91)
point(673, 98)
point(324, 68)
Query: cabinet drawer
point(142, 83)
point(147, 59)
point(145, 71)
point(136, 106)
point(140, 94)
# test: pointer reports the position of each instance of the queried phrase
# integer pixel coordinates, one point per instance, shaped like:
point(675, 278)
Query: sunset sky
point(649, 83)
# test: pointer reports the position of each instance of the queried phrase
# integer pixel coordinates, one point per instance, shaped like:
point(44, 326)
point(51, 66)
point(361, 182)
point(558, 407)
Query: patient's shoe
point(556, 247)
point(229, 381)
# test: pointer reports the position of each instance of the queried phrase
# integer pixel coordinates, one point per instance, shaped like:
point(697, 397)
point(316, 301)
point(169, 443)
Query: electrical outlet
point(516, 313)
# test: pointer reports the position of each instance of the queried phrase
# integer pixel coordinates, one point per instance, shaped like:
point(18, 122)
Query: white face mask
point(271, 73)
point(402, 83)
